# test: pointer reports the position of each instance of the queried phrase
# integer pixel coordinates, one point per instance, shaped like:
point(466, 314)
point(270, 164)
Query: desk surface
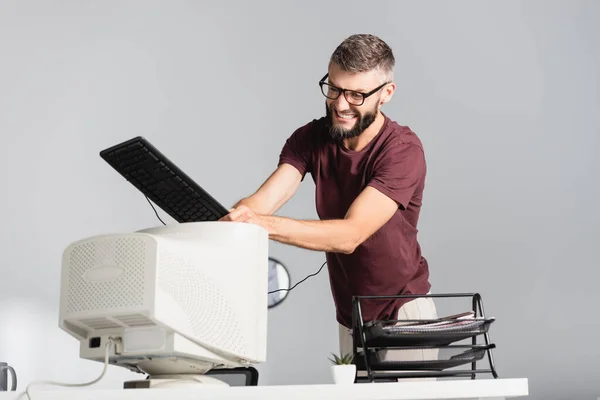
point(454, 389)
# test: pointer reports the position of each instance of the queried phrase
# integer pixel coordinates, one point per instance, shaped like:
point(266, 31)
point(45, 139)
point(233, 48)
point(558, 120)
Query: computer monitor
point(175, 300)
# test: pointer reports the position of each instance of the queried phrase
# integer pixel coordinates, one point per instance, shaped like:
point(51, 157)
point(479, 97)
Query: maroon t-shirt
point(390, 261)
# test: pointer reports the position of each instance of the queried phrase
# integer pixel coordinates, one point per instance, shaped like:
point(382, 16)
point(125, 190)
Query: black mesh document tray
point(433, 359)
point(390, 349)
point(159, 179)
point(385, 334)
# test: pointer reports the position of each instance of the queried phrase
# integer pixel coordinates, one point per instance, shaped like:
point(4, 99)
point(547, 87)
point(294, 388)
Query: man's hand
point(245, 214)
point(239, 214)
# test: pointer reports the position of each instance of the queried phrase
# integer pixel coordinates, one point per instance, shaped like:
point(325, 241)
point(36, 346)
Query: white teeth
point(345, 116)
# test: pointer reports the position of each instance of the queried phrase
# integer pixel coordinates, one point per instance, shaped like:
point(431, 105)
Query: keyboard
point(151, 172)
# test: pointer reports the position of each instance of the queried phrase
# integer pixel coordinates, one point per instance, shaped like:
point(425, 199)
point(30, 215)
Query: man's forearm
point(256, 205)
point(338, 236)
point(274, 192)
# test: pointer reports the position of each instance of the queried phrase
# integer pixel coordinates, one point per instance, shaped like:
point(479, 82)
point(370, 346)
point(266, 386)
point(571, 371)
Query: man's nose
point(341, 103)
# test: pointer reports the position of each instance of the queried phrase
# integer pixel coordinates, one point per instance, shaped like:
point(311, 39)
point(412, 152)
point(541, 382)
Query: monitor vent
point(134, 320)
point(126, 290)
point(99, 323)
point(212, 318)
point(127, 321)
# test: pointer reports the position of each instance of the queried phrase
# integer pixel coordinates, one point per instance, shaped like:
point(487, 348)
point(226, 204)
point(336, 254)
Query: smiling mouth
point(345, 116)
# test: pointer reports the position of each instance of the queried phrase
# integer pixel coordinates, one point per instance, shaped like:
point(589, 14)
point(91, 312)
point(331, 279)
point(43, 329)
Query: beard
point(338, 133)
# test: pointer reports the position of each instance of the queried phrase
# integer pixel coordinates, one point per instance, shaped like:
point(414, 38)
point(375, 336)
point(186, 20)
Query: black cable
point(297, 283)
point(155, 212)
point(278, 290)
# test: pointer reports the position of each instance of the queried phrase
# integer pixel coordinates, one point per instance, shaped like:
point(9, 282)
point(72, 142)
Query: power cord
point(111, 341)
point(274, 291)
point(297, 283)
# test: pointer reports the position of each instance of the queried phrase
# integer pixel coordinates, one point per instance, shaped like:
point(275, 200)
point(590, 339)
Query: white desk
point(496, 389)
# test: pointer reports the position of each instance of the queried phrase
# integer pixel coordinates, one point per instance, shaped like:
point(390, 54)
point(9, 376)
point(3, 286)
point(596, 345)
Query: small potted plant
point(343, 370)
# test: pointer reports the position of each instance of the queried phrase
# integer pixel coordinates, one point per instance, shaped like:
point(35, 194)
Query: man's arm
point(400, 171)
point(369, 212)
point(277, 189)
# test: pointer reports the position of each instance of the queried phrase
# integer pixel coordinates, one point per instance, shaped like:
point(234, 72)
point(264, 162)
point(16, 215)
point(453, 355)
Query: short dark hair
point(364, 52)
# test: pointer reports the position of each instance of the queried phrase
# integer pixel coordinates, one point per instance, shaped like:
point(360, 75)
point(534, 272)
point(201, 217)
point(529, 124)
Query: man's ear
point(388, 93)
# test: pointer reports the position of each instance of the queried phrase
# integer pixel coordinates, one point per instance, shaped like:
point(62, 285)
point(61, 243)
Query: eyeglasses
point(352, 96)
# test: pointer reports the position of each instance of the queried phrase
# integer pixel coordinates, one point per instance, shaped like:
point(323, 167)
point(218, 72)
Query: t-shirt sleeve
point(399, 172)
point(298, 148)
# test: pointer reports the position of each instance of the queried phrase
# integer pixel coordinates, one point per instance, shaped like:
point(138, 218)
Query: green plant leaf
point(342, 359)
point(347, 358)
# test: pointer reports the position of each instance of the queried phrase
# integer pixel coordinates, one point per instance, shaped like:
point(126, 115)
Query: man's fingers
point(235, 214)
point(241, 214)
point(227, 217)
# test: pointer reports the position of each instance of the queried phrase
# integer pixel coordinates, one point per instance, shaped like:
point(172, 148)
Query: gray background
point(504, 95)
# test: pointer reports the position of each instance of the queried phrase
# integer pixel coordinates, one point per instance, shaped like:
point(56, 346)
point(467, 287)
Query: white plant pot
point(344, 374)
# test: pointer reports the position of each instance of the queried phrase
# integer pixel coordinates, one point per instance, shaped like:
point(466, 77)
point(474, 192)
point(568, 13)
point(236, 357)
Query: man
point(369, 174)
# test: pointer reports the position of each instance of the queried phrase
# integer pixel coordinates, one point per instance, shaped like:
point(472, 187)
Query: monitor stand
point(183, 381)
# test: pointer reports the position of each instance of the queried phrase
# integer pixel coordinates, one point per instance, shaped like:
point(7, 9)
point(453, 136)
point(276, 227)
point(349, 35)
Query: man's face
point(345, 119)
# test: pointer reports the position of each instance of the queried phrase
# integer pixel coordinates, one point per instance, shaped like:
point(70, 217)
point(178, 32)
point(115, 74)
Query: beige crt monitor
point(176, 300)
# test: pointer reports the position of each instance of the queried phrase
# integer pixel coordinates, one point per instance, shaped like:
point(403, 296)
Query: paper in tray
point(443, 326)
point(439, 333)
